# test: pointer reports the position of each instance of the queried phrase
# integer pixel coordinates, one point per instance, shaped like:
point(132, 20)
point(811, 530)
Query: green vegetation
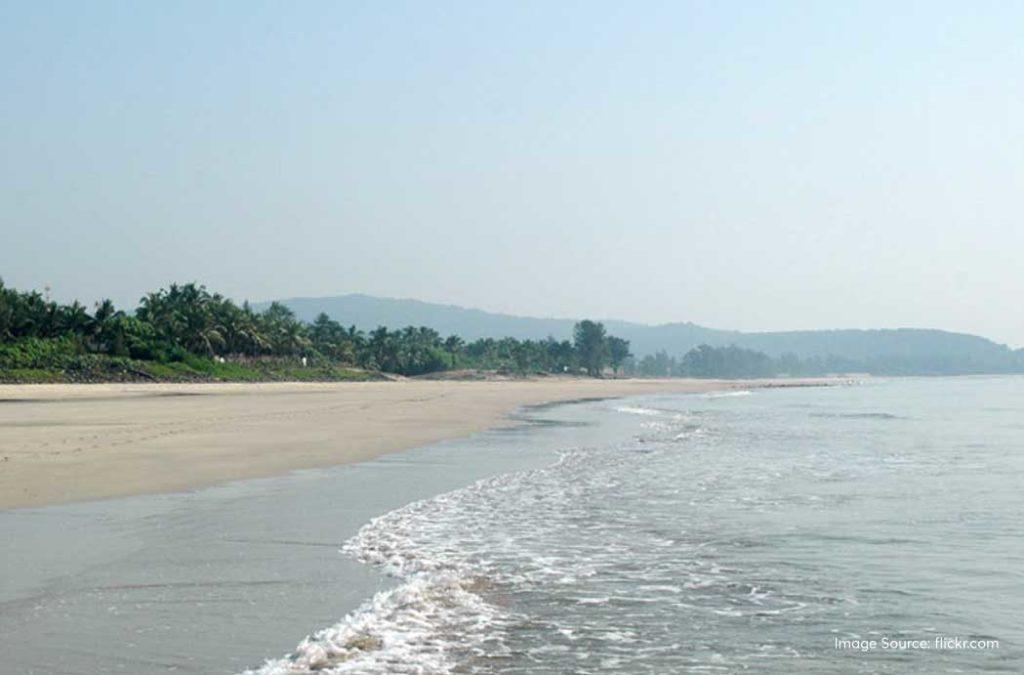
point(591, 346)
point(186, 333)
point(707, 361)
point(904, 351)
point(736, 362)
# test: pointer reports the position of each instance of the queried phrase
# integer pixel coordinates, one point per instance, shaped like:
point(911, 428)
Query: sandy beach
point(216, 580)
point(69, 443)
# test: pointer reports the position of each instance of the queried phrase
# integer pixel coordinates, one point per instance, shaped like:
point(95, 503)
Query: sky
point(743, 165)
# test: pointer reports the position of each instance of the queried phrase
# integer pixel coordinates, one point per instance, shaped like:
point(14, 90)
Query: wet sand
point(70, 443)
point(218, 580)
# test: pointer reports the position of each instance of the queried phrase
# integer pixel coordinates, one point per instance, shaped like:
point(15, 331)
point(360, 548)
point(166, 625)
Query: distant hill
point(905, 350)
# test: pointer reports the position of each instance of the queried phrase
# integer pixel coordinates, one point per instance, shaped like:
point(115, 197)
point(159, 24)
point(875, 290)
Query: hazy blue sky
point(740, 165)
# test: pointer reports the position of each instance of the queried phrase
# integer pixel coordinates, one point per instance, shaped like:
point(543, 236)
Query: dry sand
point(68, 443)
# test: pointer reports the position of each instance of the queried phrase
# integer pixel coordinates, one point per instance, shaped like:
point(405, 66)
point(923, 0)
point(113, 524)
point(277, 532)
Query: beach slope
point(68, 443)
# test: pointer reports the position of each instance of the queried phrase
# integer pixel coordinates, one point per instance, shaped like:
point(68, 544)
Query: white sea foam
point(690, 432)
point(637, 410)
point(409, 629)
point(534, 568)
point(434, 617)
point(444, 553)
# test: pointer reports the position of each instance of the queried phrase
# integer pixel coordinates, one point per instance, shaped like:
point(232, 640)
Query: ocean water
point(856, 529)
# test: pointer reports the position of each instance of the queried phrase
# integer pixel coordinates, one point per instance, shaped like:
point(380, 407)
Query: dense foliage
point(904, 351)
point(186, 332)
point(189, 325)
point(737, 362)
point(707, 361)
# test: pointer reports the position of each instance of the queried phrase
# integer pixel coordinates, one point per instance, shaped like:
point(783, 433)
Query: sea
point(872, 527)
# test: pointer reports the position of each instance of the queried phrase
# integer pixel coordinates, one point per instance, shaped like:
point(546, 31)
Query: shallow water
point(719, 533)
point(216, 580)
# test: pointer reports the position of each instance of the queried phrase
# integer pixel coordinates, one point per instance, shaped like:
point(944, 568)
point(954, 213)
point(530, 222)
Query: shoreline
point(65, 443)
point(252, 564)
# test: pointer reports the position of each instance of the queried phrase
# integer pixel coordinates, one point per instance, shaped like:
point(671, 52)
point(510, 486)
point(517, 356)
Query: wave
point(429, 623)
point(450, 553)
point(437, 617)
point(728, 394)
point(605, 560)
point(544, 566)
point(688, 433)
point(409, 629)
point(637, 410)
point(859, 416)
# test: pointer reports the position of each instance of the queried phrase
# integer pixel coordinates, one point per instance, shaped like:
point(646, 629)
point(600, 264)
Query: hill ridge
point(926, 350)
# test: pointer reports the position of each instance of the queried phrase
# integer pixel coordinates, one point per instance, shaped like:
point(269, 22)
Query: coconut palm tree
point(108, 330)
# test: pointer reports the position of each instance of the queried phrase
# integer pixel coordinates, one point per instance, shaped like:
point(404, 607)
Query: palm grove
point(185, 331)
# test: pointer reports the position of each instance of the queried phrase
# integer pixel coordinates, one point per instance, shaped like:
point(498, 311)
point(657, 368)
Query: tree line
point(186, 320)
point(705, 361)
point(737, 362)
point(186, 324)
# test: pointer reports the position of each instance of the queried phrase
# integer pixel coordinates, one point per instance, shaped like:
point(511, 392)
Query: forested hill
point(903, 351)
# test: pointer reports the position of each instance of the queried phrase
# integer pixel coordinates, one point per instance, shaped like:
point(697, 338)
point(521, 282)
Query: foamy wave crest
point(415, 628)
point(435, 619)
point(636, 410)
point(460, 554)
point(728, 394)
point(688, 433)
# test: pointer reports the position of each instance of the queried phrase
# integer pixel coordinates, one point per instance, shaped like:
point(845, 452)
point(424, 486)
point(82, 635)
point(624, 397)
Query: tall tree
point(618, 352)
point(589, 338)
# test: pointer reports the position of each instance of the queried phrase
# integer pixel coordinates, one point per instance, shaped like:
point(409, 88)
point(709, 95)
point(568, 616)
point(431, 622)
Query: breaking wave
point(696, 538)
point(728, 394)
